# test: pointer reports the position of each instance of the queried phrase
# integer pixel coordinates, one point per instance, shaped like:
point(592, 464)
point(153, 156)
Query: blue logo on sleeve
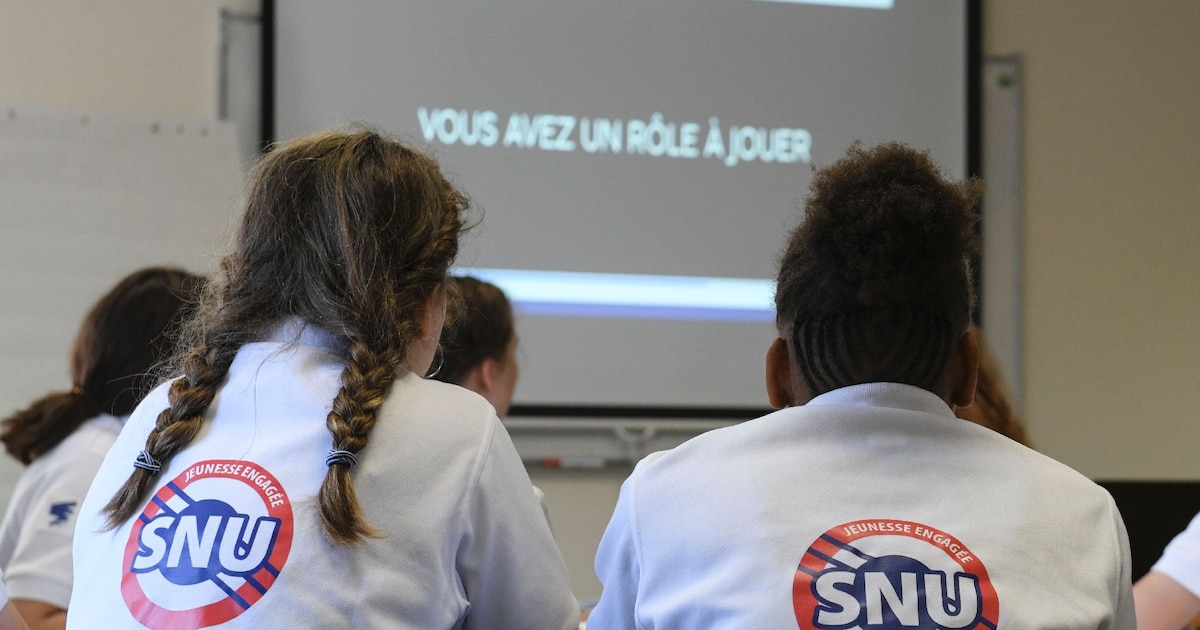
point(61, 512)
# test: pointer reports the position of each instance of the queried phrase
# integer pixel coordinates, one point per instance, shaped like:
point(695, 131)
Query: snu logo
point(208, 546)
point(890, 574)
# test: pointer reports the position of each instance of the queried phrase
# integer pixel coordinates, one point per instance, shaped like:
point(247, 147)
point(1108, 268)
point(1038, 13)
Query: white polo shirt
point(873, 507)
point(230, 535)
point(35, 537)
point(1181, 559)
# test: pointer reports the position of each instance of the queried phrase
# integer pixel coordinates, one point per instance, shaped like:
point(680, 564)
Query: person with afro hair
point(863, 501)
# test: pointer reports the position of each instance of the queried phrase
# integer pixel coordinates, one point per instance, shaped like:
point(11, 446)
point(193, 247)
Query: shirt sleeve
point(1125, 616)
point(41, 566)
point(511, 569)
point(1180, 561)
point(618, 565)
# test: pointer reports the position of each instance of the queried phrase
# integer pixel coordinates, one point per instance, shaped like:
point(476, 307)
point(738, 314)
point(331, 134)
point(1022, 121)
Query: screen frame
point(974, 157)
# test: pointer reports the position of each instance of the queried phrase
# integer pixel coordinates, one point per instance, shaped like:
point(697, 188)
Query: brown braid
point(368, 375)
point(348, 232)
point(365, 383)
point(176, 425)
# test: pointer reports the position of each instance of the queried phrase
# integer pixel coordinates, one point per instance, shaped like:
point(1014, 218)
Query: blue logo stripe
point(237, 599)
point(846, 547)
point(271, 569)
point(829, 559)
point(987, 622)
point(179, 492)
point(163, 506)
point(257, 586)
point(834, 561)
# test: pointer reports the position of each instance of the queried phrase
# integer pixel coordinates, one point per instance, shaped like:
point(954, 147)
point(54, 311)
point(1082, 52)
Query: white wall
point(117, 55)
point(1112, 207)
point(1112, 225)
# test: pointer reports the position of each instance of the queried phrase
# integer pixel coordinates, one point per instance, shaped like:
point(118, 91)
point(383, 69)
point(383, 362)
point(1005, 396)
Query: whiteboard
point(86, 198)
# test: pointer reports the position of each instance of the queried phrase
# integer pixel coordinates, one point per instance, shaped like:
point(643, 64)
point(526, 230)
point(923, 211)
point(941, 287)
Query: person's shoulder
point(90, 441)
point(71, 465)
point(152, 404)
point(709, 453)
point(157, 399)
point(433, 401)
point(738, 435)
point(1053, 471)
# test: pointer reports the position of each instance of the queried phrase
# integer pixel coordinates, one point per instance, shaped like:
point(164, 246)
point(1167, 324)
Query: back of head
point(480, 327)
point(347, 231)
point(122, 338)
point(875, 284)
point(350, 232)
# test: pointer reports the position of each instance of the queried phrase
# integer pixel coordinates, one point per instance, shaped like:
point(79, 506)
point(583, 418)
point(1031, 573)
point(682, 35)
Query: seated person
point(63, 436)
point(864, 502)
point(479, 345)
point(300, 471)
point(990, 407)
point(479, 348)
point(1168, 597)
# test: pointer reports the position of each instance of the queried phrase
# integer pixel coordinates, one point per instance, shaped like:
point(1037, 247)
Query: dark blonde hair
point(349, 232)
point(129, 331)
point(875, 283)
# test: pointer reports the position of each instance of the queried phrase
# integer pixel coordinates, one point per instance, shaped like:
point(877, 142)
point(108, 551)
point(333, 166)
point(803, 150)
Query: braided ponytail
point(352, 233)
point(176, 426)
point(365, 383)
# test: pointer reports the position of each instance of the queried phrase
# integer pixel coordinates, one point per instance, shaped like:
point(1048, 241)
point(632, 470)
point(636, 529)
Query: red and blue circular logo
point(892, 574)
point(210, 544)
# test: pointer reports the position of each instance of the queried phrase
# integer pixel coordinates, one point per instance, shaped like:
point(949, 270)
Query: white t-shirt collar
point(892, 395)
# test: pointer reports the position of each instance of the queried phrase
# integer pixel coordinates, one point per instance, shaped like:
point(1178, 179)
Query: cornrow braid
point(875, 283)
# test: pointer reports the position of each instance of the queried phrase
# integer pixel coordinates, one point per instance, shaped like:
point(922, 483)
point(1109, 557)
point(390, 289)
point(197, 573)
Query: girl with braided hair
point(864, 502)
point(302, 472)
point(62, 437)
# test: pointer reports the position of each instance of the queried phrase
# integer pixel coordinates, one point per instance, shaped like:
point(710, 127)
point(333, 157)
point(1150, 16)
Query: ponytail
point(30, 433)
point(365, 383)
point(348, 232)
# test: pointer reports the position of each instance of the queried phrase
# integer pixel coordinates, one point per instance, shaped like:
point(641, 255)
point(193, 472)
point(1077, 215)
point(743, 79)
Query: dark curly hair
point(481, 327)
point(875, 283)
point(349, 232)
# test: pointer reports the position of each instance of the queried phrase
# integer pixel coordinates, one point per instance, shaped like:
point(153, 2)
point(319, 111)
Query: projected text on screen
point(656, 136)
